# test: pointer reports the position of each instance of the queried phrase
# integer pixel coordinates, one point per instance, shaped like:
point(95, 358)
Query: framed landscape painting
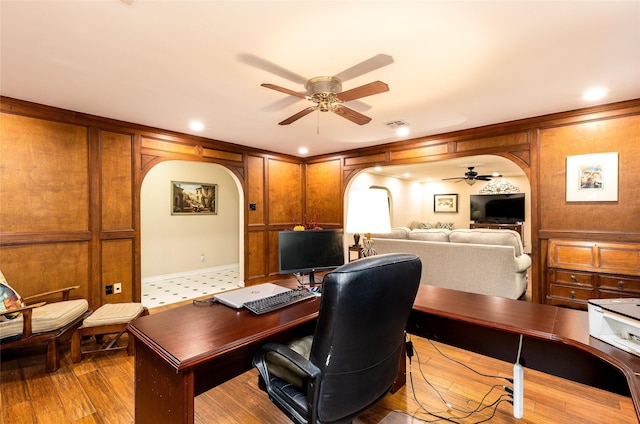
point(445, 203)
point(193, 198)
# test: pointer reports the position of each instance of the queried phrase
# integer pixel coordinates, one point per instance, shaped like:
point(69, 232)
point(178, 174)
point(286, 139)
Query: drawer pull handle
point(620, 284)
point(574, 278)
point(573, 294)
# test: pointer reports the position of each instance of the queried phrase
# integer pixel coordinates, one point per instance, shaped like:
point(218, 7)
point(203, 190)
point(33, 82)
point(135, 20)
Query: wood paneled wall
point(70, 188)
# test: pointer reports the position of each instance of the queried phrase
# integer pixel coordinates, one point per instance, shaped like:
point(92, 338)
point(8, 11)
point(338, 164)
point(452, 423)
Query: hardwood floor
point(100, 390)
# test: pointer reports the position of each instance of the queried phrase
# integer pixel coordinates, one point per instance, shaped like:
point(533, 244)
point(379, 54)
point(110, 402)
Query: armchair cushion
point(49, 317)
point(9, 299)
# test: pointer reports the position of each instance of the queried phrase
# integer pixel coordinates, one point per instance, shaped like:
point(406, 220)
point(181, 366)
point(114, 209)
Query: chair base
point(118, 328)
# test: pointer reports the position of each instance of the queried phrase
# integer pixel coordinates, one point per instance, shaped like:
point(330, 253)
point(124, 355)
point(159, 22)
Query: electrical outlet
point(108, 289)
point(117, 288)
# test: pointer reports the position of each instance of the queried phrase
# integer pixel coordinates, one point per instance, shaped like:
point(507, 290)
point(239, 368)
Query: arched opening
point(189, 255)
point(412, 196)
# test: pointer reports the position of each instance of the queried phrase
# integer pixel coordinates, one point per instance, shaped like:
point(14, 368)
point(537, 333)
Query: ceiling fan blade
point(364, 67)
point(483, 178)
point(285, 90)
point(370, 89)
point(352, 115)
point(489, 176)
point(297, 116)
point(454, 178)
point(272, 68)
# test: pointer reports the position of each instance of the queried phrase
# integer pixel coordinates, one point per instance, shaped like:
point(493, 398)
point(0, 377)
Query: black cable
point(203, 302)
point(481, 406)
point(468, 367)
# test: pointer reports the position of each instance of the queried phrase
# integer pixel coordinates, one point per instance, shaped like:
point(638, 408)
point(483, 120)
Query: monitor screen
point(499, 208)
point(311, 250)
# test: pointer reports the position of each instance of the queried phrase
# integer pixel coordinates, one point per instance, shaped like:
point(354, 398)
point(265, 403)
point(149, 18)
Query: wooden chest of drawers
point(583, 270)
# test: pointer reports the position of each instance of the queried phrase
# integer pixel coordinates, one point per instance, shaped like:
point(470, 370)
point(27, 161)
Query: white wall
point(405, 196)
point(173, 244)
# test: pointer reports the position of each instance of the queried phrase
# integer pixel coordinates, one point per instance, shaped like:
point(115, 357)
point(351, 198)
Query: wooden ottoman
point(111, 318)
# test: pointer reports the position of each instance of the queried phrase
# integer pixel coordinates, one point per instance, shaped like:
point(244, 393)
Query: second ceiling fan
point(471, 177)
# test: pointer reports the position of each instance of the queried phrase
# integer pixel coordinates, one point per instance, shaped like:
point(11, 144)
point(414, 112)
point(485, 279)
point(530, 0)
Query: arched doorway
point(185, 256)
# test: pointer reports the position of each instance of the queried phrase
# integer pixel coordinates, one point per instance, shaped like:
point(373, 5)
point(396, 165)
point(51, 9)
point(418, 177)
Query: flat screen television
point(498, 208)
point(305, 252)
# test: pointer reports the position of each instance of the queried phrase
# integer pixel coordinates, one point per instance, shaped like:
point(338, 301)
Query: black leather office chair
point(351, 361)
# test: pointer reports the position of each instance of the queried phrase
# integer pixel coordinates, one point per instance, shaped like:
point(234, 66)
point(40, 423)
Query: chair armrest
point(523, 262)
point(27, 328)
point(65, 293)
point(13, 311)
point(260, 360)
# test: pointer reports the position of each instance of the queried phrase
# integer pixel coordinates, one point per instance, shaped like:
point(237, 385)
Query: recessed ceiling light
point(196, 125)
point(595, 93)
point(378, 168)
point(303, 150)
point(402, 131)
point(407, 175)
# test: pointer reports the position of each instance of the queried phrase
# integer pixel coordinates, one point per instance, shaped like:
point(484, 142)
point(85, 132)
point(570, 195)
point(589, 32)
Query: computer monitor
point(308, 251)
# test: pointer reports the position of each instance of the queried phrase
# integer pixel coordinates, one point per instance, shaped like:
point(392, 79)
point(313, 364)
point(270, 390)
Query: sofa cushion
point(396, 233)
point(488, 236)
point(434, 234)
point(420, 225)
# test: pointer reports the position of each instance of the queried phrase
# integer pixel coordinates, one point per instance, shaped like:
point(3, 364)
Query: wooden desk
point(185, 351)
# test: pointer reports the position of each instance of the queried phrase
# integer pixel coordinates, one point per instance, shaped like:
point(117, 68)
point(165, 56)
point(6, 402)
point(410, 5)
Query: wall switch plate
point(108, 289)
point(117, 288)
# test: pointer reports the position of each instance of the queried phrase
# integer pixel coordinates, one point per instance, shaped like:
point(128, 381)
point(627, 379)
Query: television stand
point(497, 226)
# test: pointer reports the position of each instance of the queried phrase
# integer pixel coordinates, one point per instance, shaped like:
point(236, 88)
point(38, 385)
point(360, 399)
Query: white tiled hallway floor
point(164, 292)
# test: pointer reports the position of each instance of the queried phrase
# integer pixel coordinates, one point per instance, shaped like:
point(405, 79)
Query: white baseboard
point(154, 278)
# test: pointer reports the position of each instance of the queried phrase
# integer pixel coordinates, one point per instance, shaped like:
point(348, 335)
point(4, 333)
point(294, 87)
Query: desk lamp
point(368, 213)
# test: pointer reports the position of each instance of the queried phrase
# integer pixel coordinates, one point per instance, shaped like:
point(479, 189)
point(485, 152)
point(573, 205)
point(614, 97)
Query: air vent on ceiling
point(394, 125)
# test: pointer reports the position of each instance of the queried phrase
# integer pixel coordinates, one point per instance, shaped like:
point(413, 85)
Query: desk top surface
point(188, 335)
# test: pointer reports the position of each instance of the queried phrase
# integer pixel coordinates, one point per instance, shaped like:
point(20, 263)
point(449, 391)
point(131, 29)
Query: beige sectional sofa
point(483, 261)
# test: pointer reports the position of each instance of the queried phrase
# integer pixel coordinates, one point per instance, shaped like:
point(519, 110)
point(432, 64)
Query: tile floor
point(164, 292)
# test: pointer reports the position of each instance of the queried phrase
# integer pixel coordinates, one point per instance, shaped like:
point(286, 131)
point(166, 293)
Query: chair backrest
point(359, 336)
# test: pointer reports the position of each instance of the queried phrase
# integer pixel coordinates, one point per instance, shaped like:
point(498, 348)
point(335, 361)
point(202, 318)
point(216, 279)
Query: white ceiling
point(456, 64)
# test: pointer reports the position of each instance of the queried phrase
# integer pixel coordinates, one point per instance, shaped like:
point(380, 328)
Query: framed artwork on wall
point(445, 203)
point(193, 198)
point(592, 177)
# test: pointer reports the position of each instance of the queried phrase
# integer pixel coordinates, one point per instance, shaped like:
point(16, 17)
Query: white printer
point(617, 322)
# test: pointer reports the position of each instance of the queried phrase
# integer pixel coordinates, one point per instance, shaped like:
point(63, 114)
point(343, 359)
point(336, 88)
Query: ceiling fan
point(327, 94)
point(471, 177)
point(326, 91)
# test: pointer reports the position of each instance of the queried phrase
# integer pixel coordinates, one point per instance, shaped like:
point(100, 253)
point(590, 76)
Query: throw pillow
point(445, 225)
point(9, 299)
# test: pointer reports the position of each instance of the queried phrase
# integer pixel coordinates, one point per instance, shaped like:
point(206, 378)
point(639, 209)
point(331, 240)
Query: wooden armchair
point(44, 323)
